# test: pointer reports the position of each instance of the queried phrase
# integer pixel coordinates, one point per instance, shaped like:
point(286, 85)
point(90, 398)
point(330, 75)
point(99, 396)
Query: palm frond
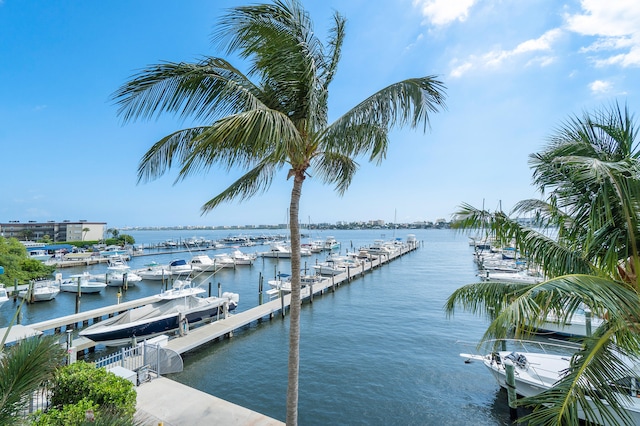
point(242, 140)
point(406, 102)
point(334, 168)
point(254, 181)
point(205, 90)
point(23, 368)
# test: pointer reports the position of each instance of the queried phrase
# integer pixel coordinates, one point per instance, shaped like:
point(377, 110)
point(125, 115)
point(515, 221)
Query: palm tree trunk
point(294, 312)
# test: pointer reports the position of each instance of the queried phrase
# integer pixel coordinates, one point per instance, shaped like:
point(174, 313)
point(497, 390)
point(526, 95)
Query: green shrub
point(109, 392)
point(70, 414)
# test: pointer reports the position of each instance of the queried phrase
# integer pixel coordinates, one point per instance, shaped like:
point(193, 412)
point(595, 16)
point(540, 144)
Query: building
point(66, 230)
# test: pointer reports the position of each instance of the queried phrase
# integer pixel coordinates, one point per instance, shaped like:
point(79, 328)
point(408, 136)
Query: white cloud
point(443, 12)
point(495, 58)
point(616, 24)
point(600, 87)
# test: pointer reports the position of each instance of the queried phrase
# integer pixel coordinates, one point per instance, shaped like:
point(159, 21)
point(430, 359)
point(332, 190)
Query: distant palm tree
point(84, 232)
point(271, 118)
point(590, 174)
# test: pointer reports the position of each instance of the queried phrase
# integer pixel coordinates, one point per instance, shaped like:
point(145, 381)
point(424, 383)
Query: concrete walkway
point(166, 402)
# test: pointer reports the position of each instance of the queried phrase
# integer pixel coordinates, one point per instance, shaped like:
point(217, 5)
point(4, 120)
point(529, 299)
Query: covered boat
point(170, 313)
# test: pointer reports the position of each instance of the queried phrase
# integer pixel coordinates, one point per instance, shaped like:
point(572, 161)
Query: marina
point(388, 321)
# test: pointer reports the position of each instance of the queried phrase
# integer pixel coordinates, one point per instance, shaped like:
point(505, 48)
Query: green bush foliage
point(112, 394)
point(70, 414)
point(17, 265)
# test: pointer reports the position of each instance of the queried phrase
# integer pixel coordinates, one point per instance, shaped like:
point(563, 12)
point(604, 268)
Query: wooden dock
point(221, 328)
point(225, 327)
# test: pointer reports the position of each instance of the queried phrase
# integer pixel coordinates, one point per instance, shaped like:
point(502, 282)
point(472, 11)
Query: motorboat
point(331, 244)
point(42, 291)
point(4, 295)
point(334, 265)
point(540, 370)
point(203, 263)
point(118, 271)
point(224, 260)
point(277, 250)
point(154, 272)
point(84, 282)
point(521, 277)
point(283, 281)
point(179, 267)
point(39, 254)
point(175, 313)
point(181, 288)
point(242, 258)
point(380, 247)
point(578, 324)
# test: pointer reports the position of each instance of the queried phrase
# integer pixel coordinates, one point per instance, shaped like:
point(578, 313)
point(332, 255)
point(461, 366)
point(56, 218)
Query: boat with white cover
point(172, 312)
point(540, 369)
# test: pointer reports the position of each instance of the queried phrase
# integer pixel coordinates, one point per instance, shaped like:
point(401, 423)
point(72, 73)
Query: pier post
point(587, 319)
point(209, 288)
point(311, 292)
point(15, 287)
point(30, 295)
point(281, 301)
point(78, 295)
point(333, 283)
point(511, 389)
point(260, 289)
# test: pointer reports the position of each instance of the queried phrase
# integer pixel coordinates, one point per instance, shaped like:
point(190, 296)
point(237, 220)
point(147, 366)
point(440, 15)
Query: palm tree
point(590, 176)
point(271, 118)
point(24, 367)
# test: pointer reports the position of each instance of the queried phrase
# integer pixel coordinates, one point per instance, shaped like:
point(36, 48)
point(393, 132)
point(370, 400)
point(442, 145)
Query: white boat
point(4, 295)
point(179, 267)
point(224, 260)
point(181, 288)
point(42, 291)
point(203, 263)
point(279, 250)
point(540, 370)
point(242, 258)
point(574, 326)
point(175, 313)
point(39, 254)
point(521, 277)
point(380, 247)
point(335, 265)
point(118, 270)
point(154, 272)
point(331, 244)
point(87, 285)
point(283, 281)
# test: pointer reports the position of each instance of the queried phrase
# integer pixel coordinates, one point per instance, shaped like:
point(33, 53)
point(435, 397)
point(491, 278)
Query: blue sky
point(514, 71)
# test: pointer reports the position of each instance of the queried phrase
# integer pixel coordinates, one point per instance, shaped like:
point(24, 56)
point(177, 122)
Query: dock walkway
point(166, 402)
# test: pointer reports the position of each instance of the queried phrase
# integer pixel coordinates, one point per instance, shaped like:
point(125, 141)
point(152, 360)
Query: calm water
point(378, 351)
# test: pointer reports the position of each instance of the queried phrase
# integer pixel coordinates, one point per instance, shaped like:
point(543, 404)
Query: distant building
point(66, 230)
